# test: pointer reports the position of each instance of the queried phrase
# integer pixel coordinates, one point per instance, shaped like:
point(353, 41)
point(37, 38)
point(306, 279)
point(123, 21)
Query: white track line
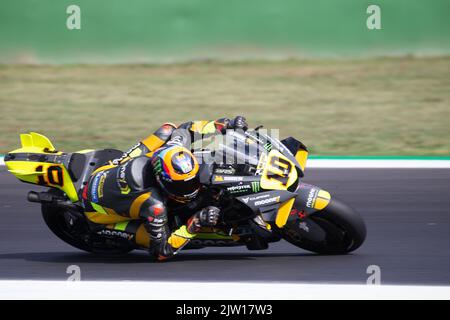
point(126, 290)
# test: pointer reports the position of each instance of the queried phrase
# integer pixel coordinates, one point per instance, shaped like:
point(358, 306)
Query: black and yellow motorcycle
point(260, 193)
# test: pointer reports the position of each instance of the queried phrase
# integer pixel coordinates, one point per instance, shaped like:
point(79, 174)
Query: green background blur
point(309, 67)
point(165, 30)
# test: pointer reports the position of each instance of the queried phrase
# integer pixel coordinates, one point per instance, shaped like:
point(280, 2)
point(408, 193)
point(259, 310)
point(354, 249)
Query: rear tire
point(54, 219)
point(56, 222)
point(338, 229)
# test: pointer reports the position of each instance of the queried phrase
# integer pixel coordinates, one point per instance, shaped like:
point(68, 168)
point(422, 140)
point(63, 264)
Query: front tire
point(337, 229)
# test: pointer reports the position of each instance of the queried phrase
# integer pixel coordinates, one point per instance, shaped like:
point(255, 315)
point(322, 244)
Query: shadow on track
point(81, 257)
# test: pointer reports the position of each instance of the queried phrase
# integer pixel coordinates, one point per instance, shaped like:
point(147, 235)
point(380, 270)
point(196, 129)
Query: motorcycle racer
point(159, 169)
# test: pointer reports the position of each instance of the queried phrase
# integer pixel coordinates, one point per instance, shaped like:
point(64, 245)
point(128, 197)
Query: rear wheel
point(73, 229)
point(338, 229)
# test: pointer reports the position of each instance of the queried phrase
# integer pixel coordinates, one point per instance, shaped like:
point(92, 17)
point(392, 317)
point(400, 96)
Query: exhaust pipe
point(45, 197)
point(39, 197)
point(33, 196)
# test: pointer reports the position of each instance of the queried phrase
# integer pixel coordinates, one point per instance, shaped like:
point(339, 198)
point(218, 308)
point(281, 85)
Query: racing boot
point(207, 217)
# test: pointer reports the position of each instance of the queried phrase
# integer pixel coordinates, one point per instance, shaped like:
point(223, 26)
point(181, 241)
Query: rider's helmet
point(176, 169)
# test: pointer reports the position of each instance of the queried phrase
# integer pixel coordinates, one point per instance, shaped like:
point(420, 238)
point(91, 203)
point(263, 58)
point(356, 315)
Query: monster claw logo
point(268, 146)
point(256, 186)
point(157, 167)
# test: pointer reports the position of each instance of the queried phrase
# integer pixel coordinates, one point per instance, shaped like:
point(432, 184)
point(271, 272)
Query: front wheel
point(337, 229)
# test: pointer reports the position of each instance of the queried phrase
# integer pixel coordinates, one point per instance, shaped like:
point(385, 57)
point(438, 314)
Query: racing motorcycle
point(260, 193)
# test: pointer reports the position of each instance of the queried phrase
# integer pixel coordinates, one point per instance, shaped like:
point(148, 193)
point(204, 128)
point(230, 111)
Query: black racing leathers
point(128, 187)
point(130, 190)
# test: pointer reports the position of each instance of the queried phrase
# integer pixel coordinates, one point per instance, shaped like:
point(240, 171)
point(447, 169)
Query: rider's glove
point(239, 123)
point(207, 217)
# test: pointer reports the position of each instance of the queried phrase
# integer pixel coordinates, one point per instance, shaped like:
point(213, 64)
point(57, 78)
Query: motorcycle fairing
point(278, 168)
point(279, 172)
point(291, 148)
point(38, 162)
point(274, 205)
point(263, 199)
point(237, 185)
point(311, 198)
point(299, 150)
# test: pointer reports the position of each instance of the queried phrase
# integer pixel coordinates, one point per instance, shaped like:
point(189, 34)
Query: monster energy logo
point(256, 187)
point(157, 167)
point(268, 146)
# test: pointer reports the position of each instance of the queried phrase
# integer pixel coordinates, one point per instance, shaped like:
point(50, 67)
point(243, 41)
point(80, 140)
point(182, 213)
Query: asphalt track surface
point(407, 212)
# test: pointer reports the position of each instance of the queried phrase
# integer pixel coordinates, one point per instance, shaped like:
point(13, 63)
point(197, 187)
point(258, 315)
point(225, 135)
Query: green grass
point(389, 106)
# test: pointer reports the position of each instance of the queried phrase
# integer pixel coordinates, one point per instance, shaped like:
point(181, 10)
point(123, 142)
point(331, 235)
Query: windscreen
point(237, 148)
